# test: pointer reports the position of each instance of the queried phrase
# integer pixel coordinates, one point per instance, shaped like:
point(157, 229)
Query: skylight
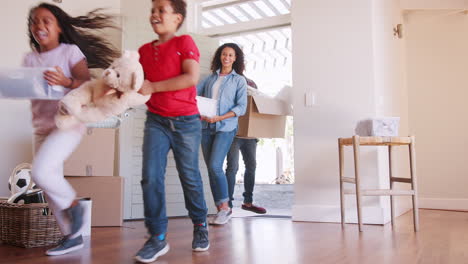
point(237, 13)
point(217, 13)
point(212, 19)
point(279, 6)
point(264, 50)
point(247, 8)
point(262, 6)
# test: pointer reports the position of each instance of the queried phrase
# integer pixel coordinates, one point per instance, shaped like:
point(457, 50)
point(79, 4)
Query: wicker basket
point(28, 225)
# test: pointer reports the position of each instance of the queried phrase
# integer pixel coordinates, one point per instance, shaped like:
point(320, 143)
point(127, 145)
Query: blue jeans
point(181, 134)
point(248, 148)
point(215, 146)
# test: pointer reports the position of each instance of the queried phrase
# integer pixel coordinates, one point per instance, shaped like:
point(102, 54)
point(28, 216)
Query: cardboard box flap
point(271, 106)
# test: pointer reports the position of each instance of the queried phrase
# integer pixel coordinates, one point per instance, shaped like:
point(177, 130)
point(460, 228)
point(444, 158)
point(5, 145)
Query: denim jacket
point(232, 97)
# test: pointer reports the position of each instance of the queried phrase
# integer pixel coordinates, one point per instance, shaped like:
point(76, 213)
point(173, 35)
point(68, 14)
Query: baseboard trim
point(331, 214)
point(444, 204)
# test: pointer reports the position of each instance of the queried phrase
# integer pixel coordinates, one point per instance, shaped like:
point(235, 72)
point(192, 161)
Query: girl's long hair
point(75, 30)
point(238, 65)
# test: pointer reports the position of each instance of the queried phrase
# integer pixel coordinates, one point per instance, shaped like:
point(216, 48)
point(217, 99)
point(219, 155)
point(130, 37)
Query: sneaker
point(66, 245)
point(221, 218)
point(253, 208)
point(200, 238)
point(152, 249)
point(75, 214)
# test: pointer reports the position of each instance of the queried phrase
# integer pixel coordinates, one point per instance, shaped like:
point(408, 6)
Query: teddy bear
point(110, 95)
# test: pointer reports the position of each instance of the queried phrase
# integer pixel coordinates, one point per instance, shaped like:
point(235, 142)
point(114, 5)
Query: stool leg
point(356, 142)
point(390, 174)
point(412, 154)
point(342, 195)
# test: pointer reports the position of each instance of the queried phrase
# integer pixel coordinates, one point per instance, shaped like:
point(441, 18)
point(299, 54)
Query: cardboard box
point(107, 196)
point(265, 118)
point(95, 156)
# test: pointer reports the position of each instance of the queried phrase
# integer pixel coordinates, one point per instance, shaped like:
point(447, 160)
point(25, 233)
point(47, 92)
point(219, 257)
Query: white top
point(66, 56)
point(215, 88)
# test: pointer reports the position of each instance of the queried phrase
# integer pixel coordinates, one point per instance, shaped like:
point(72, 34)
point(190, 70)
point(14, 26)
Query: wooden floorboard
point(443, 238)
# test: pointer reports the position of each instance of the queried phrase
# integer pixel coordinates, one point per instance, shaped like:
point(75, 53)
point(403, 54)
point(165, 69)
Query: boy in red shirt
point(173, 122)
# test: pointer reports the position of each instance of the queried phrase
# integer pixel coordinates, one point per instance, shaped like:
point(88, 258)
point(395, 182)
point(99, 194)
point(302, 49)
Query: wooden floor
point(443, 238)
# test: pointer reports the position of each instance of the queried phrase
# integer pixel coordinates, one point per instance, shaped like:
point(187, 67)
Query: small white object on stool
point(378, 127)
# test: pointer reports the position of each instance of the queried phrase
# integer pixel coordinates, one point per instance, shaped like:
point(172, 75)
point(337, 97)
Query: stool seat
point(377, 141)
point(356, 142)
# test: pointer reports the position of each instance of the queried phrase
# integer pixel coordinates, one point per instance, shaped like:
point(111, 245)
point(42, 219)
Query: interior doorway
point(262, 29)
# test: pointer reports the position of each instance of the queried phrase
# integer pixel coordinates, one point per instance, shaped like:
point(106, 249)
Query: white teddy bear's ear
point(131, 54)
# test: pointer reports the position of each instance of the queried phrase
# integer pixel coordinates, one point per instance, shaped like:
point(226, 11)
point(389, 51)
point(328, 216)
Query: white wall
point(391, 92)
point(340, 54)
point(437, 51)
point(16, 130)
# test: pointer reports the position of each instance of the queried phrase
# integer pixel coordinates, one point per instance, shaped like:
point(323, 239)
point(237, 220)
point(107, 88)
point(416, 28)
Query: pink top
point(66, 56)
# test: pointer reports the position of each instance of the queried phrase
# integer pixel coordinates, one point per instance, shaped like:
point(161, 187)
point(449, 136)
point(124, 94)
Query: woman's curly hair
point(238, 65)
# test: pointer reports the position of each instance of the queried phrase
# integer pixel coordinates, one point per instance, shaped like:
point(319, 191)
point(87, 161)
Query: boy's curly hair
point(180, 7)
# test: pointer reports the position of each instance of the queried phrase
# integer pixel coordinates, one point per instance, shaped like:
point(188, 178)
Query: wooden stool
point(356, 142)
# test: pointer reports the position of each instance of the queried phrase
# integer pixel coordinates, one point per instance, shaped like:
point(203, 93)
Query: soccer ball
point(20, 180)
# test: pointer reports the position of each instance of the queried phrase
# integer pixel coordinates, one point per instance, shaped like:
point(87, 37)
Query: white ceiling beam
point(222, 19)
point(225, 4)
point(272, 7)
point(249, 26)
point(286, 4)
point(212, 19)
point(225, 10)
point(244, 12)
point(278, 36)
point(205, 20)
point(258, 10)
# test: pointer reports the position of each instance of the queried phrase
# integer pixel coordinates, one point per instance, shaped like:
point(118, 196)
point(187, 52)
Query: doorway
point(262, 29)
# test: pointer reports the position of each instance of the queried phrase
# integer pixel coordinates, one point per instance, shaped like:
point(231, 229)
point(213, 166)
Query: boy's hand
point(146, 88)
point(57, 77)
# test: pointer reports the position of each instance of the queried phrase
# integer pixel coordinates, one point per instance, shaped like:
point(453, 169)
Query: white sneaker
point(221, 218)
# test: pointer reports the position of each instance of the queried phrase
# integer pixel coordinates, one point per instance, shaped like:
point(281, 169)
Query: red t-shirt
point(164, 61)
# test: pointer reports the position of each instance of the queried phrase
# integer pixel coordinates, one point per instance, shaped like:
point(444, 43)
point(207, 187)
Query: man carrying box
point(248, 148)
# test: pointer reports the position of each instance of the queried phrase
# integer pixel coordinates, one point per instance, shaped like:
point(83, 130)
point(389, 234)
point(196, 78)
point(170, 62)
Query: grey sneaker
point(152, 249)
point(66, 245)
point(75, 215)
point(200, 240)
point(221, 218)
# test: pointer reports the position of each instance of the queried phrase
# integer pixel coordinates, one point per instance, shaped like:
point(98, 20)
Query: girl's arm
point(188, 78)
point(79, 72)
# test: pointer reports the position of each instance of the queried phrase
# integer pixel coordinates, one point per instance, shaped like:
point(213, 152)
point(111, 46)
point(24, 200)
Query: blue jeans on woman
point(248, 148)
point(183, 135)
point(215, 146)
